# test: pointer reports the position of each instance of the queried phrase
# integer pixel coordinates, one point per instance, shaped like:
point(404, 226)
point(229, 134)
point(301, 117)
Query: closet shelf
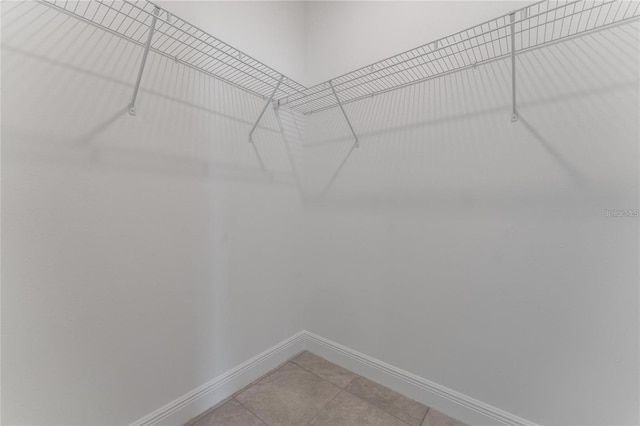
point(533, 26)
point(181, 41)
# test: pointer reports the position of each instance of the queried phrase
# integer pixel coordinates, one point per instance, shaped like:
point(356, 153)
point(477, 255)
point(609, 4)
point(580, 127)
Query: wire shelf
point(181, 41)
point(534, 26)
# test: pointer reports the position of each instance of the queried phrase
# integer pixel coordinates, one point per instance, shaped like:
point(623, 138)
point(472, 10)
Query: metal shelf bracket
point(176, 39)
point(353, 132)
point(514, 110)
point(264, 109)
point(154, 19)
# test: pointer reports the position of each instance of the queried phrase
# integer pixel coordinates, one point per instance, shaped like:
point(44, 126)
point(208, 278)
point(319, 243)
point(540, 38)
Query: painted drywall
point(314, 41)
point(142, 256)
point(342, 36)
point(269, 31)
point(473, 251)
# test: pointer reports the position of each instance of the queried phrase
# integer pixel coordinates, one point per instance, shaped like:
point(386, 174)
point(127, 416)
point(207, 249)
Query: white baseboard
point(455, 404)
point(188, 406)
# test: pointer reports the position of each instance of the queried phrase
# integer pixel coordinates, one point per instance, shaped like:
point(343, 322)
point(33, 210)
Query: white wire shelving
point(528, 28)
point(533, 26)
point(181, 41)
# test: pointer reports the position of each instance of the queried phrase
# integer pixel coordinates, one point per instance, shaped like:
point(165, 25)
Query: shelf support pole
point(353, 132)
point(514, 110)
point(264, 109)
point(147, 46)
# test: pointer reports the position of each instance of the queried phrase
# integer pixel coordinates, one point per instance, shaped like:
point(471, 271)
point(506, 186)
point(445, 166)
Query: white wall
point(142, 256)
point(471, 251)
point(342, 36)
point(313, 41)
point(270, 31)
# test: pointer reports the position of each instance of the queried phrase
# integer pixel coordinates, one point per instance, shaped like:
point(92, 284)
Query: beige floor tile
point(398, 405)
point(348, 410)
point(436, 418)
point(332, 373)
point(289, 396)
point(309, 387)
point(231, 413)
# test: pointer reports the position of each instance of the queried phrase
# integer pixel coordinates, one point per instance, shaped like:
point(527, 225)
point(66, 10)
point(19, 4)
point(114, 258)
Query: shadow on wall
point(188, 123)
point(473, 251)
point(450, 139)
point(129, 243)
point(447, 130)
point(133, 218)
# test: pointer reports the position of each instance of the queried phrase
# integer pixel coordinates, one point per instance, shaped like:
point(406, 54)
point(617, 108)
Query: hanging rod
point(536, 25)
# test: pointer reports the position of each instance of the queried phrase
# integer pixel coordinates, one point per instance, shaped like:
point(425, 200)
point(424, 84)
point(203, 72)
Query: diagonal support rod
point(514, 111)
point(264, 109)
point(132, 105)
point(353, 132)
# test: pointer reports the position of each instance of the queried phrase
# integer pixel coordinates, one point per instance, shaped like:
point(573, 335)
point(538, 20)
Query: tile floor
point(309, 390)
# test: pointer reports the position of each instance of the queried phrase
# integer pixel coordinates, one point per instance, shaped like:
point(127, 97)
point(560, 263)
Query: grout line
point(210, 410)
point(316, 374)
point(321, 378)
point(256, 381)
point(425, 416)
point(380, 408)
point(324, 407)
point(355, 376)
point(247, 408)
point(291, 361)
point(376, 407)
